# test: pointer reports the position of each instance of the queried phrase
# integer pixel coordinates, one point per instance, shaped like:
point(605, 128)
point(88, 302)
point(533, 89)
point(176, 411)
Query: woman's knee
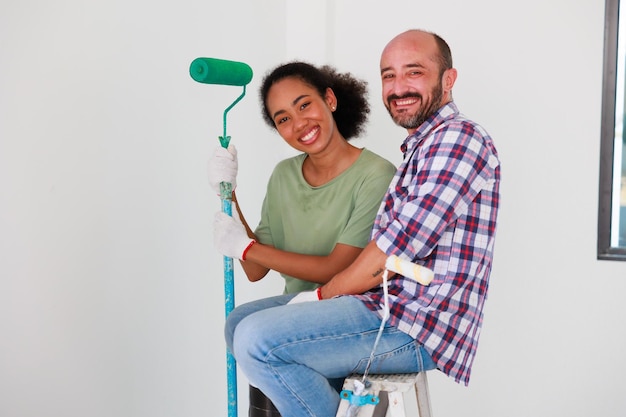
point(232, 322)
point(247, 340)
point(245, 310)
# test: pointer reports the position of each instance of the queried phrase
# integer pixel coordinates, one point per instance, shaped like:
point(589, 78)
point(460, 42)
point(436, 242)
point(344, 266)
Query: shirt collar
point(448, 110)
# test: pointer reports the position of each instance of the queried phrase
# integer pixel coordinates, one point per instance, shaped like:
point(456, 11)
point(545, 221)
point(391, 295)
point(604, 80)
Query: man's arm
point(364, 273)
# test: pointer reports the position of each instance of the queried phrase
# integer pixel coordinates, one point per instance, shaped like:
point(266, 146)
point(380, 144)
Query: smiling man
point(439, 211)
point(417, 77)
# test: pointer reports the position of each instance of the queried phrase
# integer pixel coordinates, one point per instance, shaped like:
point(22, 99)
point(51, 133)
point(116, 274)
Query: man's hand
point(306, 296)
point(230, 237)
point(223, 167)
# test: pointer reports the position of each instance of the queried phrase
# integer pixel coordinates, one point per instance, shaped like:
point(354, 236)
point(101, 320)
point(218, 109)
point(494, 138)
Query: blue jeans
point(291, 351)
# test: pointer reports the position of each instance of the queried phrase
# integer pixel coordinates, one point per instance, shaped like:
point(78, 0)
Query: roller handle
point(408, 269)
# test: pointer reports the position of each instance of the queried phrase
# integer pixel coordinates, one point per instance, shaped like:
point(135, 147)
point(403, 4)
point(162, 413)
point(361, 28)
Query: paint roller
point(223, 72)
point(409, 269)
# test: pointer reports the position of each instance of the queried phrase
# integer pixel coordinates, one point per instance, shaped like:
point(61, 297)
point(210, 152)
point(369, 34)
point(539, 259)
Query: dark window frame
point(606, 251)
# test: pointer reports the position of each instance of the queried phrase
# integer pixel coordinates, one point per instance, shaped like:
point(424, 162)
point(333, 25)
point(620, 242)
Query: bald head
point(416, 39)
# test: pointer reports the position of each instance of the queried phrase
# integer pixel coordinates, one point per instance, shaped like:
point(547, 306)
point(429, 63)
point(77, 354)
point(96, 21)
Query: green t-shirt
point(299, 218)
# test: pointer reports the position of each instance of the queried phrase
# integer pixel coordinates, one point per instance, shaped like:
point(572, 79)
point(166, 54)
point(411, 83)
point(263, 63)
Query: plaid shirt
point(440, 211)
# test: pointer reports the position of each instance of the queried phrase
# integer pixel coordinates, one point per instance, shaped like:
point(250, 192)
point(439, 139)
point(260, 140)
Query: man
point(440, 211)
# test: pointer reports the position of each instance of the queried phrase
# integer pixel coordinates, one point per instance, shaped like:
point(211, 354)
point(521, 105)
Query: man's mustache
point(407, 95)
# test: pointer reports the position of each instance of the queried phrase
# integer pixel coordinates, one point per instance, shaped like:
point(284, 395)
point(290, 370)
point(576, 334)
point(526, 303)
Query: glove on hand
point(223, 167)
point(230, 237)
point(305, 296)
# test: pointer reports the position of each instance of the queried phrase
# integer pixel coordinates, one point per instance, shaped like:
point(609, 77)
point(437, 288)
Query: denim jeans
point(290, 352)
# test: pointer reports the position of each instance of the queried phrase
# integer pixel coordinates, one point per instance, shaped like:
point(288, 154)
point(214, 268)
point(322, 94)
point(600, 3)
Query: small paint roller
point(223, 72)
point(408, 269)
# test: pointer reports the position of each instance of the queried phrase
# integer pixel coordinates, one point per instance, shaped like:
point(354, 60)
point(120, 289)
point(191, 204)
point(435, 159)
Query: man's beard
point(427, 109)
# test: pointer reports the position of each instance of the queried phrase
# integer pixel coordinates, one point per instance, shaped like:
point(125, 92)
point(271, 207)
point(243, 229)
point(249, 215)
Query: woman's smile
point(311, 136)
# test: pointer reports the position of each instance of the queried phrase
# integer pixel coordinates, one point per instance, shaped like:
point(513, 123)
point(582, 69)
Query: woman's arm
point(319, 269)
point(253, 270)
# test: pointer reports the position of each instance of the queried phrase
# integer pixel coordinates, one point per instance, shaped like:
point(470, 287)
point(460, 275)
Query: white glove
point(223, 167)
point(230, 237)
point(305, 296)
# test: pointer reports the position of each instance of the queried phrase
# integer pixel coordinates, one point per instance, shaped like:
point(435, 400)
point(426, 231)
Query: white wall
point(111, 294)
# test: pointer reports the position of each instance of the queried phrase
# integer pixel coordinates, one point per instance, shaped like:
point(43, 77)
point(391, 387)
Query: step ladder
point(386, 395)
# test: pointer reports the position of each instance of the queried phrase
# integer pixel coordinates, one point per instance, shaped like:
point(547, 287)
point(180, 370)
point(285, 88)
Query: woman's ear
point(331, 99)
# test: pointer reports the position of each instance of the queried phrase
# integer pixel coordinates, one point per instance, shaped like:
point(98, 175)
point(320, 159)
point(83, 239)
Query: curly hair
point(352, 106)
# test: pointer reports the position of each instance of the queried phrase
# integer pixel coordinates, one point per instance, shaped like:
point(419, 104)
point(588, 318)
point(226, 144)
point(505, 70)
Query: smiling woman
point(320, 205)
point(612, 190)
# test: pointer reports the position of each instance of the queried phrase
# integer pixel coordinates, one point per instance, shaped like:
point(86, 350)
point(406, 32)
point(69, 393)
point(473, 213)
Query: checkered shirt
point(440, 211)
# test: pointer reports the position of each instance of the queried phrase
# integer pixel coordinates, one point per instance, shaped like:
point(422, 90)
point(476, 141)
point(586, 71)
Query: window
point(612, 190)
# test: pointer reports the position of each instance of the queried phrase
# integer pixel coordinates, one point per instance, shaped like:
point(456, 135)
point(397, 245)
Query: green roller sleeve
point(220, 71)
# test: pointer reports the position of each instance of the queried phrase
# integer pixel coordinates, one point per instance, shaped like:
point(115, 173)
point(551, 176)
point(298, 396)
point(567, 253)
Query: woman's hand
point(223, 166)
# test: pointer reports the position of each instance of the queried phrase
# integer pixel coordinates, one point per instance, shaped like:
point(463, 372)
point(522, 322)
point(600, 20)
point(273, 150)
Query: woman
point(320, 205)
